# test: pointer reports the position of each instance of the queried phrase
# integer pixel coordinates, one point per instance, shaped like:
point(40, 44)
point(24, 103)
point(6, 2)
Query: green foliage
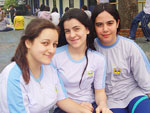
point(10, 2)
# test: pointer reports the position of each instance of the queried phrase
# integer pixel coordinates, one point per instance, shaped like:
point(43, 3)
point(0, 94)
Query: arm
point(101, 101)
point(17, 98)
point(99, 85)
point(140, 67)
point(100, 97)
point(70, 106)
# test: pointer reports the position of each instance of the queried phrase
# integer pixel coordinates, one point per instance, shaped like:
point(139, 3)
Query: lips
point(106, 35)
point(49, 56)
point(74, 40)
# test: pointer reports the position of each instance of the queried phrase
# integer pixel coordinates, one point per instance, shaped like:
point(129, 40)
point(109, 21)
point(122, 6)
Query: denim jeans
point(144, 19)
point(58, 110)
point(139, 104)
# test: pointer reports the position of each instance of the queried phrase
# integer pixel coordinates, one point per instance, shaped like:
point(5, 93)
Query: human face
point(76, 33)
point(42, 49)
point(106, 28)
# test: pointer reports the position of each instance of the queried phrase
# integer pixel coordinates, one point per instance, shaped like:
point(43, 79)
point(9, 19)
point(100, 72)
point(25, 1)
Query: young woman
point(55, 16)
point(80, 67)
point(4, 22)
point(128, 69)
point(29, 84)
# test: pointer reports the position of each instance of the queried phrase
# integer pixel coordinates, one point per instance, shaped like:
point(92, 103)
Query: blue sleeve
point(14, 93)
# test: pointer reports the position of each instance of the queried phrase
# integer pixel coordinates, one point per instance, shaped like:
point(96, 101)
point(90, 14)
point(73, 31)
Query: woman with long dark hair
point(80, 67)
point(128, 69)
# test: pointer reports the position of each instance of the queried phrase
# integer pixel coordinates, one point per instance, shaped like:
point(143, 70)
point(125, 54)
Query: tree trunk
point(128, 9)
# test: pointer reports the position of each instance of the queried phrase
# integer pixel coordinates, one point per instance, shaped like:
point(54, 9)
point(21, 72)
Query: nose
point(105, 28)
point(72, 34)
point(51, 49)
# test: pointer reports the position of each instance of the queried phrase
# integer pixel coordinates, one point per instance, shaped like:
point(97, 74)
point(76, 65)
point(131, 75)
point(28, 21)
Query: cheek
point(54, 51)
point(66, 36)
point(114, 29)
point(98, 30)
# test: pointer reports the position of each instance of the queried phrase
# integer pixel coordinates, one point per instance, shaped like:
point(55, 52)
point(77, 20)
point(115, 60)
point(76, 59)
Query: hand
point(148, 95)
point(87, 105)
point(101, 109)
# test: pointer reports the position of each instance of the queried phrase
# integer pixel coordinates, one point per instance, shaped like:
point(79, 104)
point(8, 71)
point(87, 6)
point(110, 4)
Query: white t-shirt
point(4, 23)
point(147, 7)
point(103, 1)
point(38, 96)
point(128, 71)
point(88, 13)
point(71, 70)
point(55, 18)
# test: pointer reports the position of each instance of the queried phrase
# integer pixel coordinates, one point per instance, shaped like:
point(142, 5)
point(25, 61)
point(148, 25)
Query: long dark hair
point(33, 30)
point(111, 9)
point(82, 17)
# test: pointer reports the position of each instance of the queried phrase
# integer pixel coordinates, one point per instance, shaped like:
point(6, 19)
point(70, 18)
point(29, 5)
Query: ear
point(118, 23)
point(88, 31)
point(28, 44)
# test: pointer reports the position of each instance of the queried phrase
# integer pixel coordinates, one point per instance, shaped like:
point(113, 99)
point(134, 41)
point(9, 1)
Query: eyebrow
point(72, 27)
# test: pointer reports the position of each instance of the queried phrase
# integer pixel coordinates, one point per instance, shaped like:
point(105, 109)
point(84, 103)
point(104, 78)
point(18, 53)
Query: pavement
point(9, 41)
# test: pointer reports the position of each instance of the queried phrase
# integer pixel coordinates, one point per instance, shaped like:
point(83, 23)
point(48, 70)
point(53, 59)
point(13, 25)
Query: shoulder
point(60, 54)
point(128, 43)
point(12, 71)
point(12, 67)
point(125, 40)
point(96, 56)
point(61, 49)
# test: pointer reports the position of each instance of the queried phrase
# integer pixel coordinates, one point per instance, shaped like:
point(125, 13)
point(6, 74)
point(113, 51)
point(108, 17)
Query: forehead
point(48, 33)
point(72, 23)
point(104, 16)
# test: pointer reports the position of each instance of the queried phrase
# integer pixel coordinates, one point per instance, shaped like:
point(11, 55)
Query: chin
point(46, 62)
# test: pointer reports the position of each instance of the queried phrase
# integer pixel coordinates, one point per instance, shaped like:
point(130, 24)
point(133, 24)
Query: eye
point(76, 29)
point(55, 45)
point(98, 24)
point(67, 31)
point(110, 23)
point(45, 43)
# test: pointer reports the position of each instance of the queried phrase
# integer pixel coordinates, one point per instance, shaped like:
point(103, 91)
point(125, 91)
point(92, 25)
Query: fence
point(141, 4)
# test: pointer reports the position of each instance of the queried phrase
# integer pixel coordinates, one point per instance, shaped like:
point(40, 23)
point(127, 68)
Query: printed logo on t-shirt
point(90, 73)
point(117, 71)
point(56, 89)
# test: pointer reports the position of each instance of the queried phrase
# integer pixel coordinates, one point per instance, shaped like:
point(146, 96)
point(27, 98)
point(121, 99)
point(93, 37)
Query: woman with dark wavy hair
point(81, 68)
point(128, 69)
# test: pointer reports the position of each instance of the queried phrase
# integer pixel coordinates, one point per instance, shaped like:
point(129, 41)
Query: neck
point(77, 53)
point(35, 67)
